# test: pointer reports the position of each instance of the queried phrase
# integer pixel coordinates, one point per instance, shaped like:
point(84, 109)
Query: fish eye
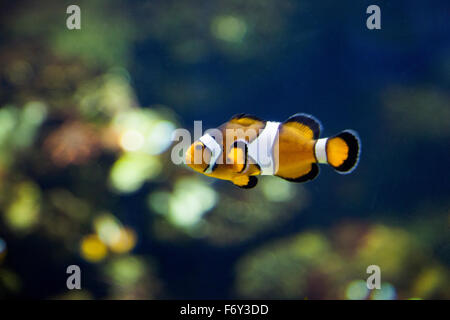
point(199, 147)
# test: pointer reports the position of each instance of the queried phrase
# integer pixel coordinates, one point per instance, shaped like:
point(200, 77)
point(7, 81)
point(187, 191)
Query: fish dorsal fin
point(307, 173)
point(306, 124)
point(246, 182)
point(245, 119)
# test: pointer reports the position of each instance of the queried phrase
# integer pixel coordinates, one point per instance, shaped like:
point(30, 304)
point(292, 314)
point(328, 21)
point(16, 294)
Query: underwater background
point(86, 176)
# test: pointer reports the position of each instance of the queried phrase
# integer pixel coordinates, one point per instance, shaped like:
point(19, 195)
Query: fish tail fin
point(340, 151)
point(343, 151)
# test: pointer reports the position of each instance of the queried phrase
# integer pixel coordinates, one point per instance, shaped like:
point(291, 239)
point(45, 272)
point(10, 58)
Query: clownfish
point(246, 146)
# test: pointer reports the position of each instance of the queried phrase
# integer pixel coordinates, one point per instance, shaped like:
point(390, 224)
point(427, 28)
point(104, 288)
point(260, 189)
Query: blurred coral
point(72, 143)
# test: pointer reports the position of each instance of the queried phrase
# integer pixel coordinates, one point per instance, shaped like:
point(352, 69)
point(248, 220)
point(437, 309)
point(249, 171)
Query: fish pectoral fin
point(246, 182)
point(306, 173)
point(238, 156)
point(307, 125)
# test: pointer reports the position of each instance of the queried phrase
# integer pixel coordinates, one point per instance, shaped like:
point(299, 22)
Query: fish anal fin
point(307, 173)
point(245, 182)
point(307, 125)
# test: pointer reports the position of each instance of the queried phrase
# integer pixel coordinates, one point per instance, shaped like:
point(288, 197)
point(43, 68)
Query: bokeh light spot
point(277, 190)
point(126, 271)
point(23, 213)
point(429, 281)
point(191, 199)
point(143, 130)
point(229, 28)
point(387, 292)
point(131, 170)
point(159, 202)
point(131, 140)
point(35, 112)
point(108, 229)
point(93, 249)
point(357, 290)
point(125, 242)
point(159, 138)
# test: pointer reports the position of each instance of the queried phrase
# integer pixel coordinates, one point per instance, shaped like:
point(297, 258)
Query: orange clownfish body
point(247, 146)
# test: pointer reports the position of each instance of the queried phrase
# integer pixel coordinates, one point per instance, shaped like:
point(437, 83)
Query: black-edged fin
point(245, 182)
point(353, 143)
point(245, 115)
point(312, 171)
point(245, 119)
point(307, 124)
